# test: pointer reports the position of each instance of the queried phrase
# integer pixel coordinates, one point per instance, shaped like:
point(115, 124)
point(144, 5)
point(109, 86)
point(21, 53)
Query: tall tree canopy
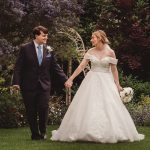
point(18, 17)
point(126, 23)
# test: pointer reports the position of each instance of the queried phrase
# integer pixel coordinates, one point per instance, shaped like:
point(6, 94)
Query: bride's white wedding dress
point(97, 113)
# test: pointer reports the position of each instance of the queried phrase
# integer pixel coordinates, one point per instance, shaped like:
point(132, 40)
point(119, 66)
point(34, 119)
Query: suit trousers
point(36, 104)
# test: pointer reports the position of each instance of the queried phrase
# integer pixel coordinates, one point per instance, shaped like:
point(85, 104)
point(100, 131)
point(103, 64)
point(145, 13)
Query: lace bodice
point(102, 65)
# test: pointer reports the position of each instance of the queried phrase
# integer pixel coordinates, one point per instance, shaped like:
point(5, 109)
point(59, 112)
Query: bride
point(96, 112)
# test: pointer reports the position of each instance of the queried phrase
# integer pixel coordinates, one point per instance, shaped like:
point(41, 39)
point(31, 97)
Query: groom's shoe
point(43, 136)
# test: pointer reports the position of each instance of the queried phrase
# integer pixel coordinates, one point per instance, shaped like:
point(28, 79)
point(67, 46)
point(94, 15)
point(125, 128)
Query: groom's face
point(42, 38)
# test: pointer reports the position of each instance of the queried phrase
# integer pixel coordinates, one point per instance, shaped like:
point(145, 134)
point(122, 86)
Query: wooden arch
point(75, 37)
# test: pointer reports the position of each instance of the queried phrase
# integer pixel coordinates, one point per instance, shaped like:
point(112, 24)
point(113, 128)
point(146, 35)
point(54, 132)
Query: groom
point(32, 76)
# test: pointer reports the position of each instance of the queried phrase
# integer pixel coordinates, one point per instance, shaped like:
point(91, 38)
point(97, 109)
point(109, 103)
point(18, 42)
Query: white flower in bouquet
point(126, 94)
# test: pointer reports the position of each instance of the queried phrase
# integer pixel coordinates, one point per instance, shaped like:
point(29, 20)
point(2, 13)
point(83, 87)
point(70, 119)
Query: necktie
point(39, 54)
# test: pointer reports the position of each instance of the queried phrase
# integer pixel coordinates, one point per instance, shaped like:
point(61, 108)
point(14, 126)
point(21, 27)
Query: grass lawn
point(19, 139)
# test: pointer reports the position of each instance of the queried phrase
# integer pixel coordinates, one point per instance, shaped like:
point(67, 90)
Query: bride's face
point(94, 40)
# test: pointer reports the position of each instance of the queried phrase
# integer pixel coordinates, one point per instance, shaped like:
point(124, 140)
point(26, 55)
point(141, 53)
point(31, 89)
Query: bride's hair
point(102, 36)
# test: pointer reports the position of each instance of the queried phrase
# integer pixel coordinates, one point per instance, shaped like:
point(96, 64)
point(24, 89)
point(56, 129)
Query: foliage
point(64, 51)
point(126, 23)
point(140, 113)
point(17, 19)
point(88, 20)
point(57, 110)
point(145, 100)
point(12, 112)
point(6, 60)
point(140, 88)
point(139, 107)
point(23, 15)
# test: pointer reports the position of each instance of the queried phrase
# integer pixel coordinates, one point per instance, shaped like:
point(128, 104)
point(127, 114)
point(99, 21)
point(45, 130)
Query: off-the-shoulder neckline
point(100, 58)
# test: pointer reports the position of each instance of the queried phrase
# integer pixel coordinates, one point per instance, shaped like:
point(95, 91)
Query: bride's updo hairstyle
point(102, 36)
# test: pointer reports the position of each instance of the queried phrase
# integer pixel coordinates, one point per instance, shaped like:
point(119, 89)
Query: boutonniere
point(49, 48)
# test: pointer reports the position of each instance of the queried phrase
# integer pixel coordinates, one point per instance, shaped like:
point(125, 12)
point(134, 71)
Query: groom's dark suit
point(35, 84)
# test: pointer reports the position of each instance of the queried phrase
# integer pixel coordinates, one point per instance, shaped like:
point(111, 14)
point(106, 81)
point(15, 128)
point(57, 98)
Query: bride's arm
point(116, 76)
point(115, 73)
point(77, 72)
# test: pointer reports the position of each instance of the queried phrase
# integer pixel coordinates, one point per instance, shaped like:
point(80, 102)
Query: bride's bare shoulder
point(111, 53)
point(90, 51)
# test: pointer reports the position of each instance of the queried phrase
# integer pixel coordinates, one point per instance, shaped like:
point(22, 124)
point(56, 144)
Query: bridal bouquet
point(126, 94)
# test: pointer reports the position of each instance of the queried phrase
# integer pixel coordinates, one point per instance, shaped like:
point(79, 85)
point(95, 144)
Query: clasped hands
point(68, 83)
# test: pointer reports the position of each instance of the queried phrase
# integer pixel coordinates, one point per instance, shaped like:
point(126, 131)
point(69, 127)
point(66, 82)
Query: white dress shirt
point(36, 47)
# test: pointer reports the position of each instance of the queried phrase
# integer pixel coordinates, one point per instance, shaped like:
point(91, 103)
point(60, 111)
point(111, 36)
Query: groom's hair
point(37, 30)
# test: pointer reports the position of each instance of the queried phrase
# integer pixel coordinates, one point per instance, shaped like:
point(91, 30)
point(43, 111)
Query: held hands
point(68, 83)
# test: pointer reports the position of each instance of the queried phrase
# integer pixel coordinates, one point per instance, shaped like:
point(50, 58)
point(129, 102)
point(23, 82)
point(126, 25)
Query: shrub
point(140, 112)
point(140, 88)
point(12, 112)
point(57, 109)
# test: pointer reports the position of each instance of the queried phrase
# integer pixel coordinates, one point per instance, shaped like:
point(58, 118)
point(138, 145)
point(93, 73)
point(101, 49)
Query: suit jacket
point(27, 72)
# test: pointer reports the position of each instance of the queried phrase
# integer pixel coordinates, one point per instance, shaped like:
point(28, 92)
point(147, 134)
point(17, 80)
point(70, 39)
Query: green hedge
point(12, 111)
point(140, 88)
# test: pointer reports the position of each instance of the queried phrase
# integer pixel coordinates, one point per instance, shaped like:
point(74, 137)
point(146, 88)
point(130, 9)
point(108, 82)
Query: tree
point(11, 14)
point(126, 23)
point(18, 17)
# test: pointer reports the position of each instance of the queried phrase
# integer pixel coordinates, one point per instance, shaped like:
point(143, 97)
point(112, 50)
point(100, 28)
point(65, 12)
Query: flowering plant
point(126, 94)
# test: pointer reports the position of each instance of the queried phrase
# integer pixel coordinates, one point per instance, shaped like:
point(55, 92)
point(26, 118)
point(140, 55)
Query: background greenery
point(126, 23)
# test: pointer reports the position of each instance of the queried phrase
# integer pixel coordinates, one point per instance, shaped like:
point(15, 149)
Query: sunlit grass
point(19, 139)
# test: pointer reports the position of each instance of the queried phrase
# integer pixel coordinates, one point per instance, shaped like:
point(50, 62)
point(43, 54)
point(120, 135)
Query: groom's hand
point(15, 89)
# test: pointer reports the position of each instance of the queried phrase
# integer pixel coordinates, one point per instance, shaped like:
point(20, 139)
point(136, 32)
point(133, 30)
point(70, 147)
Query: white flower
point(127, 94)
point(49, 48)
